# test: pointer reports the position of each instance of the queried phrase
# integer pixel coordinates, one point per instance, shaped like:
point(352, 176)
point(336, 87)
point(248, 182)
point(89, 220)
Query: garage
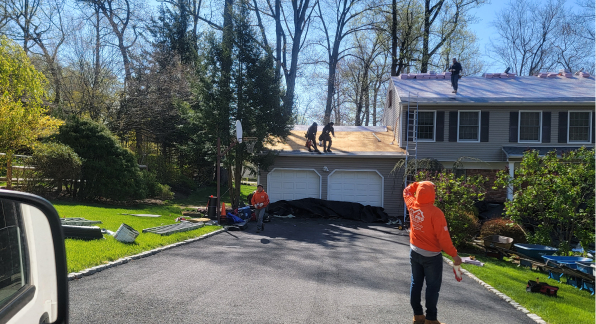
point(292, 184)
point(361, 186)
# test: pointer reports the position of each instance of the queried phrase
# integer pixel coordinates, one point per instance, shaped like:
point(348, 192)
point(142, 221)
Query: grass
point(571, 305)
point(85, 254)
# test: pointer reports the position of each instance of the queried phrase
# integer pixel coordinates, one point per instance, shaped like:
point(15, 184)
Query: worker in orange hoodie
point(260, 200)
point(429, 236)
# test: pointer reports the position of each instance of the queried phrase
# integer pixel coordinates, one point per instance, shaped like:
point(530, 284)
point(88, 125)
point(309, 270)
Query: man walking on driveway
point(455, 70)
point(260, 200)
point(428, 237)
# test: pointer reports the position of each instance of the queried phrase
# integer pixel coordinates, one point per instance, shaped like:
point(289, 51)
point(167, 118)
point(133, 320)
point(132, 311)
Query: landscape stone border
point(506, 298)
point(144, 254)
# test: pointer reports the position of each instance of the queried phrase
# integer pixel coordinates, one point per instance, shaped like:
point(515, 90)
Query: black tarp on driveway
point(328, 208)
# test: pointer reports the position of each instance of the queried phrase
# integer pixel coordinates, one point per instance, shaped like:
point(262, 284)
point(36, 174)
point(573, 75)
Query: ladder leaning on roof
point(411, 140)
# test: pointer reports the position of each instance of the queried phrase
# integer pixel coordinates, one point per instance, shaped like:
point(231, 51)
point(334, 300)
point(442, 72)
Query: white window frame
point(539, 141)
point(589, 141)
point(479, 124)
point(434, 127)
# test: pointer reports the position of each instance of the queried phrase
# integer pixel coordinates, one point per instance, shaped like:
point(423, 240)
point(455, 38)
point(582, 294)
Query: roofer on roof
point(311, 137)
point(455, 70)
point(326, 138)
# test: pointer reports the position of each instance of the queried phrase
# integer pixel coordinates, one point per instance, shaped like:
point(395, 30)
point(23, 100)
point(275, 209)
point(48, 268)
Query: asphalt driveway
point(296, 271)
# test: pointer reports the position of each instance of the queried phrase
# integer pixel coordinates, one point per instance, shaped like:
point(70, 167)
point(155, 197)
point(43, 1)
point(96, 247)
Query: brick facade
point(499, 195)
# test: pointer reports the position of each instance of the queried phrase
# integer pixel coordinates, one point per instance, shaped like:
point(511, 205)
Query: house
point(358, 170)
point(492, 120)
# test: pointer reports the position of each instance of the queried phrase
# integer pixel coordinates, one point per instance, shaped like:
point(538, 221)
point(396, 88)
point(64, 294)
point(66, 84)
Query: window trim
point(479, 126)
point(434, 127)
point(519, 140)
point(589, 141)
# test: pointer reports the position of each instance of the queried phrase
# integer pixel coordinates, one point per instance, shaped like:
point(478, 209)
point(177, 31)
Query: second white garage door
point(292, 184)
point(365, 187)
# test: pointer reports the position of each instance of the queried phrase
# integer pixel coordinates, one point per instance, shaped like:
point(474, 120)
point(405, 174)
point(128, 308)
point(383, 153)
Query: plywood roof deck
point(346, 142)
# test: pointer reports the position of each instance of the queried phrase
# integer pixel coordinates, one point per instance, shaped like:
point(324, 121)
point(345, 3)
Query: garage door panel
point(365, 187)
point(287, 184)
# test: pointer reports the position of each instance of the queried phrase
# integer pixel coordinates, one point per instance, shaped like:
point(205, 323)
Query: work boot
point(432, 322)
point(328, 151)
point(419, 319)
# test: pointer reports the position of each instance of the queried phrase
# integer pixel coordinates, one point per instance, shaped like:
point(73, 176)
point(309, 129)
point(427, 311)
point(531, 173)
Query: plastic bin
point(587, 267)
point(126, 234)
point(535, 251)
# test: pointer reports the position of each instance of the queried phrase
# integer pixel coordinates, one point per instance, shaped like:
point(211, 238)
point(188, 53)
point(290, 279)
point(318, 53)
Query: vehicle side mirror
point(33, 272)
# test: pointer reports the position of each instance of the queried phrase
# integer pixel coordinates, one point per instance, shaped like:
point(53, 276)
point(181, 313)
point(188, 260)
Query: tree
point(553, 197)
point(108, 170)
point(450, 14)
point(527, 32)
point(23, 117)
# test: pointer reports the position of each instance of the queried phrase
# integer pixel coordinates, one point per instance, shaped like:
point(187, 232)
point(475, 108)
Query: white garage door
point(287, 184)
point(365, 187)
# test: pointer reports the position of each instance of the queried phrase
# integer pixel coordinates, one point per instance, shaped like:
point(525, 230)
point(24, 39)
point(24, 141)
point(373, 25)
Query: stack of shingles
point(583, 74)
point(426, 76)
point(498, 75)
point(564, 73)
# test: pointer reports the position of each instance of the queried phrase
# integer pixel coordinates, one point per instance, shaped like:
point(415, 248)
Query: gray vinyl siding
point(393, 186)
point(498, 134)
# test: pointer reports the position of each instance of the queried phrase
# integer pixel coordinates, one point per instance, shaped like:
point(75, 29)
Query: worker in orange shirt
point(429, 236)
point(260, 200)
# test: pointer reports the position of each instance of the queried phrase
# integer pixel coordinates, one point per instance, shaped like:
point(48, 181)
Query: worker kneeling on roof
point(429, 236)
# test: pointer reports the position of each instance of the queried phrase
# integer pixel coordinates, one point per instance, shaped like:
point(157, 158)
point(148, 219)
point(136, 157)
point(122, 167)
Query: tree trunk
point(425, 37)
point(331, 81)
point(278, 36)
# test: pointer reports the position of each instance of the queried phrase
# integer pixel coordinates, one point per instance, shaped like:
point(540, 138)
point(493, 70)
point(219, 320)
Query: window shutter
point(440, 127)
point(546, 122)
point(453, 126)
point(513, 124)
point(563, 115)
point(484, 118)
point(593, 122)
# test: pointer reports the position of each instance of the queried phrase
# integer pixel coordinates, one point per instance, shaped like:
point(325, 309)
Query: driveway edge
point(506, 298)
point(123, 260)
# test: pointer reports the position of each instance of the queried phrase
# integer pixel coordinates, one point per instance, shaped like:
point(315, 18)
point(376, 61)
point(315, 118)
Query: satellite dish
point(238, 131)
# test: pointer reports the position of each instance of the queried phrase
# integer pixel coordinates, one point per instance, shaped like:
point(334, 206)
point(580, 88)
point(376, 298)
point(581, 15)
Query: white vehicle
point(33, 273)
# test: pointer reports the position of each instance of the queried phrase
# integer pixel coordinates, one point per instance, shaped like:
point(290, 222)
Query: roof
point(518, 151)
point(525, 90)
point(349, 141)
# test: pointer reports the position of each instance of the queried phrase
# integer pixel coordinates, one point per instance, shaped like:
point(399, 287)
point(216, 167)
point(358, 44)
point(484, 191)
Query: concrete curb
point(506, 298)
point(144, 254)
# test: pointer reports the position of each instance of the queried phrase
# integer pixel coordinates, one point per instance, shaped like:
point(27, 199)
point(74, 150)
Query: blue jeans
point(260, 213)
point(454, 80)
point(431, 269)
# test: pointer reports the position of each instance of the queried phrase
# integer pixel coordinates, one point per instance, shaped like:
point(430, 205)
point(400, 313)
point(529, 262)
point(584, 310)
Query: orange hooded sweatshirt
point(428, 226)
point(260, 197)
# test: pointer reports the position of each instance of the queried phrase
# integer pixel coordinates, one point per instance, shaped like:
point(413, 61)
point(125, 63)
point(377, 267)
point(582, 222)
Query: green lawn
point(571, 305)
point(85, 254)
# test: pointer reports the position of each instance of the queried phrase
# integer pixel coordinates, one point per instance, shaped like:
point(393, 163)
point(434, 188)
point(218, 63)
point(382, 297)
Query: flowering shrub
point(456, 196)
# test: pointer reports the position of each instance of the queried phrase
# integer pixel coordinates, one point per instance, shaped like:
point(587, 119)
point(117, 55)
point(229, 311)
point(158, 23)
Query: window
point(426, 126)
point(13, 265)
point(580, 126)
point(530, 126)
point(468, 126)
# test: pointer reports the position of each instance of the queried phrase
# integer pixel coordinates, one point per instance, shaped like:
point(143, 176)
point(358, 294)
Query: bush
point(504, 227)
point(154, 188)
point(456, 197)
point(108, 170)
point(55, 165)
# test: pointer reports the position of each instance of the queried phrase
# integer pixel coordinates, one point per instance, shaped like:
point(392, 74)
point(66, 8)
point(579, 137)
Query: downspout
point(511, 176)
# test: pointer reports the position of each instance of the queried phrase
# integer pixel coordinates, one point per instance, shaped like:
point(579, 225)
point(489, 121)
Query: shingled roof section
point(351, 141)
point(519, 90)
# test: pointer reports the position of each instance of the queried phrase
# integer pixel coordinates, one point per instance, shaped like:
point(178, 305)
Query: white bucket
point(126, 234)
